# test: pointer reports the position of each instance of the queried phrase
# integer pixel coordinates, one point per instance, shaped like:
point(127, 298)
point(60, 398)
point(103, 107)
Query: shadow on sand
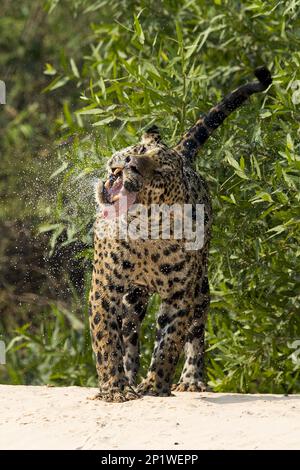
point(232, 398)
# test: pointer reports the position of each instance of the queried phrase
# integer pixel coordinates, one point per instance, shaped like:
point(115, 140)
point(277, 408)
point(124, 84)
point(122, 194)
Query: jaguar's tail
point(195, 137)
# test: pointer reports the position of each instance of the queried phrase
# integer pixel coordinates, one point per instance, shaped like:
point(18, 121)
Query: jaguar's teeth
point(116, 182)
point(115, 198)
point(117, 171)
point(107, 184)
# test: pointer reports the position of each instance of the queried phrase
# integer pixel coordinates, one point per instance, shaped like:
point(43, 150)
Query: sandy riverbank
point(64, 418)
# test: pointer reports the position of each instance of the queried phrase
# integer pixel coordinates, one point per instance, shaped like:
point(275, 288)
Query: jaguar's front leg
point(105, 324)
point(170, 338)
point(134, 309)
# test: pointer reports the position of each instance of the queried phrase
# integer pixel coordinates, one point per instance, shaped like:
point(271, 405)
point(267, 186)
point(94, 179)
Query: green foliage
point(57, 352)
point(167, 62)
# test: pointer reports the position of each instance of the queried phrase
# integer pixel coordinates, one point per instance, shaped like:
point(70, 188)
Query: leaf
point(103, 88)
point(282, 197)
point(265, 114)
point(289, 143)
point(238, 170)
point(228, 199)
point(50, 70)
point(138, 29)
point(262, 197)
point(59, 170)
point(179, 34)
point(278, 229)
point(74, 68)
point(232, 162)
point(57, 83)
point(242, 163)
point(256, 166)
point(90, 111)
point(104, 121)
point(48, 227)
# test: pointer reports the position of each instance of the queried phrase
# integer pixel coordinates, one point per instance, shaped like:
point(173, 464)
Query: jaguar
point(128, 270)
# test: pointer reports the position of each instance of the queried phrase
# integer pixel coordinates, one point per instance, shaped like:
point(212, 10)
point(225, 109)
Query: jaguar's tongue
point(115, 188)
point(121, 200)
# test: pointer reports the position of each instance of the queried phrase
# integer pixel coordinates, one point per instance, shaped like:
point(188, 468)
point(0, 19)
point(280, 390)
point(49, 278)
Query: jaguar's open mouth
point(117, 198)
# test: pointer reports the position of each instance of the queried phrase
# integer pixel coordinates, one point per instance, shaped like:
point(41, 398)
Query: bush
point(167, 62)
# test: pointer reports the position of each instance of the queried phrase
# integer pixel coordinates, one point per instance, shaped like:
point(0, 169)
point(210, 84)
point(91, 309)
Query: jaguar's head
point(146, 173)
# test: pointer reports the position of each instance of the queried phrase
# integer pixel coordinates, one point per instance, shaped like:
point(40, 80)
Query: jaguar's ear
point(151, 136)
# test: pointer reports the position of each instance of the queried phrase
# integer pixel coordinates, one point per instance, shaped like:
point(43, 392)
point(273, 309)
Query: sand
point(64, 418)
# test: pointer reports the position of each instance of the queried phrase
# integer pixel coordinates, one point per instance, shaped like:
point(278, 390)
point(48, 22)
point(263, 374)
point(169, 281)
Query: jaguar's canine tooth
point(117, 171)
point(115, 198)
point(107, 184)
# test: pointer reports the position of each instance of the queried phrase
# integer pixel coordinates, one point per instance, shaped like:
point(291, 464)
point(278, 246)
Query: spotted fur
point(127, 272)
